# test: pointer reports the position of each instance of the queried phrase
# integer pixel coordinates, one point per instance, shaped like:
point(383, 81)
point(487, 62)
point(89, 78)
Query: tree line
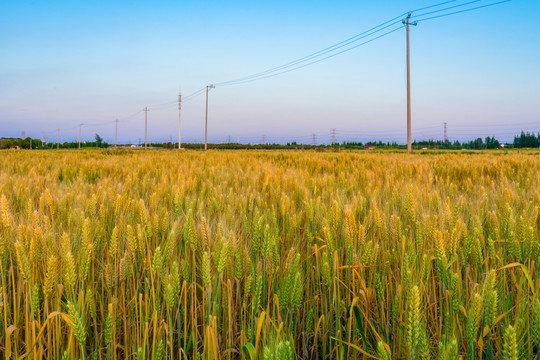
point(29, 143)
point(524, 140)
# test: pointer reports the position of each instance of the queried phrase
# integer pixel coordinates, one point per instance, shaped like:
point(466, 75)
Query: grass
point(269, 254)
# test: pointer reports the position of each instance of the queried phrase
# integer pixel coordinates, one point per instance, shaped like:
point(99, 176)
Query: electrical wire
point(432, 6)
point(328, 49)
point(318, 56)
point(192, 95)
point(281, 69)
point(448, 8)
point(98, 124)
point(311, 56)
point(462, 11)
point(319, 60)
point(130, 116)
point(165, 107)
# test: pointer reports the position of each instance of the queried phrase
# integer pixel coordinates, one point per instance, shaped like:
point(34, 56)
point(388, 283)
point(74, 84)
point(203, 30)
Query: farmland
point(269, 254)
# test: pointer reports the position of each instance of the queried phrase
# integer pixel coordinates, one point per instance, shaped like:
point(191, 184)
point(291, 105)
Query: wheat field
point(269, 255)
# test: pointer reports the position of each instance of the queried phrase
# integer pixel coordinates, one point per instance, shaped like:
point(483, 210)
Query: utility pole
point(179, 106)
point(58, 141)
point(333, 136)
point(264, 139)
point(80, 128)
point(409, 144)
point(445, 133)
point(42, 138)
point(206, 119)
point(145, 126)
point(229, 139)
point(116, 135)
point(314, 140)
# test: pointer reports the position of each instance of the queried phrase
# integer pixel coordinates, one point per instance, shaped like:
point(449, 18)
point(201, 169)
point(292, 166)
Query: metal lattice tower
point(445, 133)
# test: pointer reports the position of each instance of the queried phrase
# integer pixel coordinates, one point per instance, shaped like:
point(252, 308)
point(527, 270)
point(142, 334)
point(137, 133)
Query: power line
point(382, 131)
point(98, 124)
point(328, 49)
point(311, 56)
point(428, 7)
point(462, 11)
point(169, 106)
point(295, 62)
point(319, 60)
point(194, 94)
point(154, 106)
point(276, 71)
point(319, 56)
point(130, 116)
point(448, 8)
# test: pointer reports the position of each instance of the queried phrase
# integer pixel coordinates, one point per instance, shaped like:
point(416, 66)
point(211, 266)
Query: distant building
point(370, 147)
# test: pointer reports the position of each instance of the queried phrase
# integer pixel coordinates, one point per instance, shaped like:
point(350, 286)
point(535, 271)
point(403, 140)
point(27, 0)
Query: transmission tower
point(145, 126)
point(445, 133)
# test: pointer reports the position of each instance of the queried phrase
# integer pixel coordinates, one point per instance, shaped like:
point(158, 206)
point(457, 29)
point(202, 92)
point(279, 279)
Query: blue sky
point(65, 63)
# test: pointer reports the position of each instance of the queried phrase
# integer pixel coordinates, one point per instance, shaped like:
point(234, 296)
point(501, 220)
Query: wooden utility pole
point(80, 128)
point(179, 109)
point(409, 143)
point(206, 119)
point(58, 142)
point(116, 135)
point(145, 126)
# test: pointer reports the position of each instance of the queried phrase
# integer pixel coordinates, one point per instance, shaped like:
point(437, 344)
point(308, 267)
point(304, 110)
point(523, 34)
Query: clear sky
point(69, 62)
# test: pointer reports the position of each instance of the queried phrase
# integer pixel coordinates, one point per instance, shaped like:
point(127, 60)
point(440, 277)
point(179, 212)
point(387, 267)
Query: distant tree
point(9, 143)
point(99, 140)
point(26, 143)
point(526, 140)
point(492, 143)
